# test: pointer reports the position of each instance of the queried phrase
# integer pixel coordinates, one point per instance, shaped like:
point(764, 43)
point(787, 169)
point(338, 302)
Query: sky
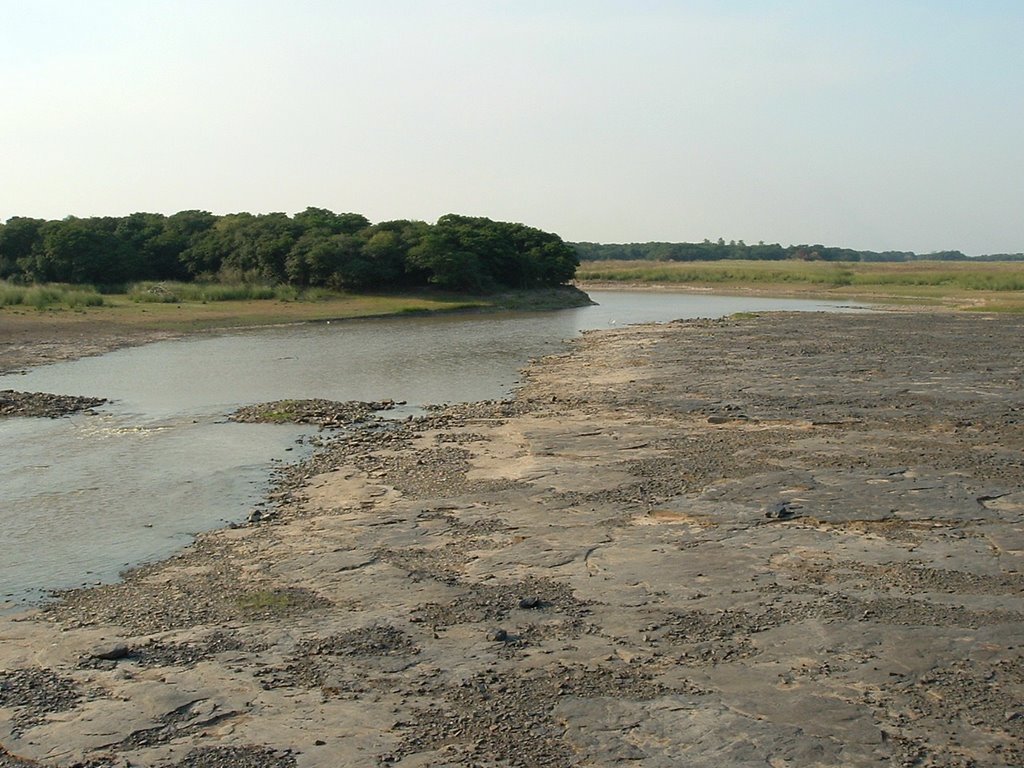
point(864, 124)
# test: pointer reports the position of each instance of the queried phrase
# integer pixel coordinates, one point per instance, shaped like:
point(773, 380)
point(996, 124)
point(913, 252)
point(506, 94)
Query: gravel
point(41, 404)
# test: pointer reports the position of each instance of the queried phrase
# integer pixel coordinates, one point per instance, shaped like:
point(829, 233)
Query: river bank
point(30, 337)
point(784, 539)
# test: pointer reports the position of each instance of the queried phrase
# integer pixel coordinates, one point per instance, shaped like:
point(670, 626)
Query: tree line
point(314, 248)
point(737, 249)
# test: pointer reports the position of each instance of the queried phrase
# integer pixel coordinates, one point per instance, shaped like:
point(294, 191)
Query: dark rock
point(41, 404)
point(325, 414)
point(781, 510)
point(112, 652)
point(497, 635)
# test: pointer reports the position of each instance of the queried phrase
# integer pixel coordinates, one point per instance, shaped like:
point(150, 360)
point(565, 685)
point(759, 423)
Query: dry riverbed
point(786, 540)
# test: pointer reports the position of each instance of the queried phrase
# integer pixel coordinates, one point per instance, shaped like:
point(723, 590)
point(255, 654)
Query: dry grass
point(989, 286)
point(121, 311)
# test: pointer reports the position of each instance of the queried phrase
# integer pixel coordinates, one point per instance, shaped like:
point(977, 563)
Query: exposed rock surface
point(13, 403)
point(789, 540)
point(322, 413)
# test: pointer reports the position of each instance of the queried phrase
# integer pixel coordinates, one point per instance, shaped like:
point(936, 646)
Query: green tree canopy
point(315, 247)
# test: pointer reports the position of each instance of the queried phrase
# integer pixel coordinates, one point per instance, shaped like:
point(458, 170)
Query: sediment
point(790, 539)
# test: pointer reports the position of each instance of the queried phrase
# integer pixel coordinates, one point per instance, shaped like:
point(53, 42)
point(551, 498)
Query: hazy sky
point(879, 125)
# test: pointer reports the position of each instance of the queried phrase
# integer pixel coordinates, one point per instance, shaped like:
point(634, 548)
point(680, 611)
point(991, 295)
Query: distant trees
point(709, 251)
point(316, 247)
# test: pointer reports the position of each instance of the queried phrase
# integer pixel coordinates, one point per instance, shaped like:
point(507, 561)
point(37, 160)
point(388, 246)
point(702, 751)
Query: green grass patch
point(51, 296)
point(264, 601)
point(178, 293)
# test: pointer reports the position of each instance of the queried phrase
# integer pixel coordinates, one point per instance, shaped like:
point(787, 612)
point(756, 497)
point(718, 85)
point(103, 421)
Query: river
point(84, 497)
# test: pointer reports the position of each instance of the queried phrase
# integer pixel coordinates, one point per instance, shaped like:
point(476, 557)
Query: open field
point(989, 286)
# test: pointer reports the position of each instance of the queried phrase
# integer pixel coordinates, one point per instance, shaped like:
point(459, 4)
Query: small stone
point(111, 652)
point(530, 602)
point(497, 635)
point(780, 510)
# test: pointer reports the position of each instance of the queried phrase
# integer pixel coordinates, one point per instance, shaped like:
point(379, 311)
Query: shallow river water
point(82, 498)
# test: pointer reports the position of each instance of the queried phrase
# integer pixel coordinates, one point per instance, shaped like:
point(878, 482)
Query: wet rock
point(326, 414)
point(41, 404)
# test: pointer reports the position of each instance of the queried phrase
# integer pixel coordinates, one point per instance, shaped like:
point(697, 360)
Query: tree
point(543, 258)
point(147, 255)
point(321, 259)
point(181, 231)
point(453, 253)
point(314, 247)
point(80, 251)
point(209, 249)
point(323, 220)
point(389, 244)
point(466, 253)
point(261, 246)
point(20, 237)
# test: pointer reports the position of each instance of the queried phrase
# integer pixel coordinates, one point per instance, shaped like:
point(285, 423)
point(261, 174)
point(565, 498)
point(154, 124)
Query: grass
point(51, 295)
point(284, 601)
point(178, 293)
point(990, 286)
point(264, 601)
point(180, 307)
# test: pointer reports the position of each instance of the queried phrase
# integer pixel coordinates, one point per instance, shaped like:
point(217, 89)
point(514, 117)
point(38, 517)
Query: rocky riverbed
point(325, 414)
point(787, 540)
point(43, 404)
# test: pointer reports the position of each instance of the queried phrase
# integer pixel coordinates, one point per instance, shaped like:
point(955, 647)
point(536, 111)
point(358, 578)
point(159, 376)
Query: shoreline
point(778, 536)
point(30, 339)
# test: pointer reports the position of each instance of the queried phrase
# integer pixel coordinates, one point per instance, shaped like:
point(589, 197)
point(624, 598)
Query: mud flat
point(786, 540)
point(31, 339)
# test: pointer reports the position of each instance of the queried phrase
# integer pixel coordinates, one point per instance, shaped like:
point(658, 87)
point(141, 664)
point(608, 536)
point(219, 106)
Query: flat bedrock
point(787, 540)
